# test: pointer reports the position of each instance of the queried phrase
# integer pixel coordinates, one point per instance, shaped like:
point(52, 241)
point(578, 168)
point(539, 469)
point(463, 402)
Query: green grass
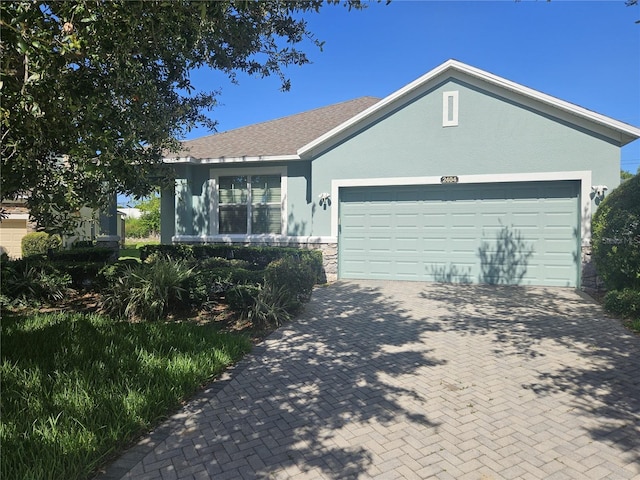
point(634, 325)
point(128, 252)
point(131, 249)
point(78, 387)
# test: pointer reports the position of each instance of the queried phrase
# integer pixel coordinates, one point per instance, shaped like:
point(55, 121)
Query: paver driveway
point(412, 380)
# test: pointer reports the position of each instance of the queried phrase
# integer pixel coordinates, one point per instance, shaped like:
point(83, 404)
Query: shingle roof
point(283, 136)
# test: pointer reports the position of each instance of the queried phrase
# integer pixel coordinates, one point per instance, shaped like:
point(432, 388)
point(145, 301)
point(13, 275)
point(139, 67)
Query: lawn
point(131, 248)
point(78, 387)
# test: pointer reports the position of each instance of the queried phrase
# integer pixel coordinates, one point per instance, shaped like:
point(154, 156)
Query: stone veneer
point(591, 282)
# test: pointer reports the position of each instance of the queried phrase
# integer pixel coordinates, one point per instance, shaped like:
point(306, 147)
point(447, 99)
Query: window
point(250, 204)
point(450, 109)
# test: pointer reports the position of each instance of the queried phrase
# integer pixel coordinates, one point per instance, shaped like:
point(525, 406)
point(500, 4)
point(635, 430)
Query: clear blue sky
point(586, 52)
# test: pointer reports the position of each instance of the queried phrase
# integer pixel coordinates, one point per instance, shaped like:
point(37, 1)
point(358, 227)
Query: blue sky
point(585, 52)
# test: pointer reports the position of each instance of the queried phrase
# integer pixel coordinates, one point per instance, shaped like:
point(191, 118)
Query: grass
point(132, 245)
point(78, 387)
point(633, 325)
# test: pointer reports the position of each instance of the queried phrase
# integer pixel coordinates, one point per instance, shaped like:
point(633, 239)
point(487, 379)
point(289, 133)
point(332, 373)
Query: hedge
point(39, 243)
point(258, 257)
point(616, 237)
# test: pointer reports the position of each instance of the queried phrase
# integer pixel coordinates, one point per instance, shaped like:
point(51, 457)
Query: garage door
point(11, 233)
point(506, 233)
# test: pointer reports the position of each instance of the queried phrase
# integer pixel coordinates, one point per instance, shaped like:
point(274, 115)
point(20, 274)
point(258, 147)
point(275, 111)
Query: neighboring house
point(130, 212)
point(13, 227)
point(17, 224)
point(459, 176)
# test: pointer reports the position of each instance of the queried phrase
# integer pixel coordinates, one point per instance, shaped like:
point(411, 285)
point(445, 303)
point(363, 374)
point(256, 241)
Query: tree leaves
point(107, 85)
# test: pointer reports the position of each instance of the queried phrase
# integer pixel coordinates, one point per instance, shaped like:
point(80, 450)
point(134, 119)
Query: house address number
point(449, 179)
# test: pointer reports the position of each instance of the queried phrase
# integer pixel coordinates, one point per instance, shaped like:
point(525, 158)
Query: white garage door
point(11, 233)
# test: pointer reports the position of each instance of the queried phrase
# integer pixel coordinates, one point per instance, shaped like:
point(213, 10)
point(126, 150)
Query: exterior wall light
point(597, 193)
point(325, 200)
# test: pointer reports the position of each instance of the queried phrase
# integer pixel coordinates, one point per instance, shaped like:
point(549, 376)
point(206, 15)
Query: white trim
point(215, 173)
point(584, 177)
point(18, 216)
point(223, 160)
point(253, 239)
point(450, 115)
point(625, 132)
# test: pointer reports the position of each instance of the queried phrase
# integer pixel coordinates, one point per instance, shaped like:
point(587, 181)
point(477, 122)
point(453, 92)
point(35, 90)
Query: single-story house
point(459, 176)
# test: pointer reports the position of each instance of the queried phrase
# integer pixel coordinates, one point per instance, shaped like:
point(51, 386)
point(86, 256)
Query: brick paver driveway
point(411, 380)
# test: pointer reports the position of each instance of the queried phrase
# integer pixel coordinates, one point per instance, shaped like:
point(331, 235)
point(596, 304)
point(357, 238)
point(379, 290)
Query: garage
point(524, 233)
point(11, 233)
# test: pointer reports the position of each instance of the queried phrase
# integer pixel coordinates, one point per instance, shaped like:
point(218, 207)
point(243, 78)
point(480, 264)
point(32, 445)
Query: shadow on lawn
point(606, 390)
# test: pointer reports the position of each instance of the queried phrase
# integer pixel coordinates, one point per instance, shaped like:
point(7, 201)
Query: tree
point(93, 92)
point(150, 217)
point(625, 175)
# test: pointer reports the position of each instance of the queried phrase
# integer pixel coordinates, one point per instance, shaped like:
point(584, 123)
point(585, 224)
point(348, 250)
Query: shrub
point(215, 276)
point(110, 272)
point(148, 291)
point(616, 237)
point(241, 298)
point(273, 305)
point(257, 258)
point(296, 275)
point(83, 274)
point(85, 254)
point(27, 282)
point(176, 252)
point(625, 303)
point(39, 243)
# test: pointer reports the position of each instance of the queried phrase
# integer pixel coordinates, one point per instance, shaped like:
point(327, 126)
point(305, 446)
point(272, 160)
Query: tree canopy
point(93, 92)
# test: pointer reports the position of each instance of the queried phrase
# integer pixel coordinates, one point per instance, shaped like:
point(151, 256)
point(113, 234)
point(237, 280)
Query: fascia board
point(226, 160)
point(621, 132)
point(626, 132)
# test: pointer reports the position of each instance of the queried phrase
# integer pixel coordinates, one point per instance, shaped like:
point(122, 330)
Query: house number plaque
point(449, 179)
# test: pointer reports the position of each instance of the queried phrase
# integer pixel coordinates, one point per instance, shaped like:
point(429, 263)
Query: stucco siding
point(188, 211)
point(493, 136)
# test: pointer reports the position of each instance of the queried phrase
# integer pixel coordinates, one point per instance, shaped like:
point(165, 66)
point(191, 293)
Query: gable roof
point(619, 133)
point(278, 139)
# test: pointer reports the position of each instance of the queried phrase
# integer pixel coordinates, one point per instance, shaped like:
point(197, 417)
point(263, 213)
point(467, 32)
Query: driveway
point(411, 380)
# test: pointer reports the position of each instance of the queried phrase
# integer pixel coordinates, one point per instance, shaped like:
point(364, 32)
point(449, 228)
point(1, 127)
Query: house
point(460, 176)
point(17, 224)
point(14, 226)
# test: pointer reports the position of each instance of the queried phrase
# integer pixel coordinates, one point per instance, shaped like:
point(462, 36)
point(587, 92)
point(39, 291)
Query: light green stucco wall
point(493, 136)
point(187, 211)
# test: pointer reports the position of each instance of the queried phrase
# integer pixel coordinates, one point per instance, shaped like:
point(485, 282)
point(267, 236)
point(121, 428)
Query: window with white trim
point(450, 109)
point(250, 204)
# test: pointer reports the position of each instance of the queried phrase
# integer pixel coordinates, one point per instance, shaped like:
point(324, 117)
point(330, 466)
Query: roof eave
point(225, 160)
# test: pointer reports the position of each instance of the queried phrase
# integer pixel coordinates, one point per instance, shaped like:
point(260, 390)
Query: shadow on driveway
point(330, 373)
point(605, 386)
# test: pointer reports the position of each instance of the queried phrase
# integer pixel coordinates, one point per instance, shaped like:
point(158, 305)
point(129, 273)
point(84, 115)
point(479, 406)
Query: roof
point(618, 132)
point(275, 139)
point(307, 134)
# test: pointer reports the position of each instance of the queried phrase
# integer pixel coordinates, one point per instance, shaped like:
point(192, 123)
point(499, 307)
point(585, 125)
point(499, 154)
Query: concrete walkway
point(411, 380)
